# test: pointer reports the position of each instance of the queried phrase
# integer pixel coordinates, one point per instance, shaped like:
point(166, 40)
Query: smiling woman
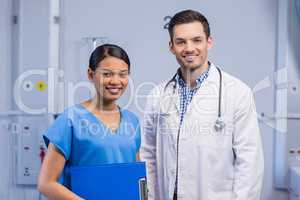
point(94, 132)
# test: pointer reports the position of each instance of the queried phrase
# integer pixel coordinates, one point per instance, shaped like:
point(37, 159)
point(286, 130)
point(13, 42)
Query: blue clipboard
point(126, 181)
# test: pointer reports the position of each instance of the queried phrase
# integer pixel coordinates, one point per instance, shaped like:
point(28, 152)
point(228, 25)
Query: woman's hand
point(137, 157)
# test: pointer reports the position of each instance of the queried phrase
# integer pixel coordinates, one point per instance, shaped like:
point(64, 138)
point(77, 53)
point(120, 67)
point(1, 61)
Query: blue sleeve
point(60, 135)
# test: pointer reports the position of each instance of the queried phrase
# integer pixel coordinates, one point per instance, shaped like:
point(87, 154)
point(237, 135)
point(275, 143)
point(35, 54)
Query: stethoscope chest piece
point(219, 124)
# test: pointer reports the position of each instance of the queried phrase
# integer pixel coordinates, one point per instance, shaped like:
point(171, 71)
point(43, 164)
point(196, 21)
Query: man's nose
point(189, 47)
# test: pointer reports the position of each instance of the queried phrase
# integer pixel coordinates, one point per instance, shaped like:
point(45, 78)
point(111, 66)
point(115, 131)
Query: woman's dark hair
point(188, 16)
point(107, 50)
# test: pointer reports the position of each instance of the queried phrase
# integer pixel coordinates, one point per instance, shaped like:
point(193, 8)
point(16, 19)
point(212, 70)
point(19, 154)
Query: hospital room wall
point(23, 47)
point(5, 88)
point(293, 64)
point(5, 62)
point(245, 45)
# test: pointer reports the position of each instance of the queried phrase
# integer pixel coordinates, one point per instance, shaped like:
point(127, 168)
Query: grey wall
point(5, 104)
point(5, 52)
point(293, 65)
point(23, 46)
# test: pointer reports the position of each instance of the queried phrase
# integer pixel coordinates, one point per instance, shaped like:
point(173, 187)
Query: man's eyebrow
point(179, 39)
point(198, 37)
point(183, 39)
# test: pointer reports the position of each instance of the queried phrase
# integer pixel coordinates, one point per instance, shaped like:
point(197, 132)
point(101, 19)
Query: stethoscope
point(219, 123)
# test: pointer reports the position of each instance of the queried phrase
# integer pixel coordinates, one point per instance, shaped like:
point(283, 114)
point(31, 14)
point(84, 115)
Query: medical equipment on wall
point(294, 157)
point(93, 42)
point(298, 8)
point(27, 146)
point(219, 123)
point(294, 183)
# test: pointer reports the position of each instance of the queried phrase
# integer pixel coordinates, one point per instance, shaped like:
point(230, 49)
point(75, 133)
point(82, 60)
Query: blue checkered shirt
point(186, 94)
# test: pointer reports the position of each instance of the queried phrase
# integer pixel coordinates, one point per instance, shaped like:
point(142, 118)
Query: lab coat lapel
point(173, 98)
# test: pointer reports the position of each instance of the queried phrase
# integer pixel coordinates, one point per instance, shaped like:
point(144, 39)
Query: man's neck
point(190, 76)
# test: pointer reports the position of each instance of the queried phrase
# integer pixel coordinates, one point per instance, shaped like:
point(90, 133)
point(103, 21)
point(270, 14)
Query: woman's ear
point(90, 74)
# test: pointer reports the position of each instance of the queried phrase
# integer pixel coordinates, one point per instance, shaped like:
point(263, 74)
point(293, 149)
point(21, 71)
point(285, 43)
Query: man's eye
point(180, 42)
point(197, 40)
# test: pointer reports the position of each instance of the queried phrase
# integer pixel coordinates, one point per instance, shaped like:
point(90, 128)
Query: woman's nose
point(115, 79)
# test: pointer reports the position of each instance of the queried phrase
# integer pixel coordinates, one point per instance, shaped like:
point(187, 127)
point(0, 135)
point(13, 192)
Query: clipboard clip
point(143, 189)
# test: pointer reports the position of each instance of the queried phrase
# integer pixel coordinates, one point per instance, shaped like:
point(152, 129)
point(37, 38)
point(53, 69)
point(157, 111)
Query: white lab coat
point(226, 165)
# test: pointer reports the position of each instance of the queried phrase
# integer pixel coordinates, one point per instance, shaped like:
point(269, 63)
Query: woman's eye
point(107, 74)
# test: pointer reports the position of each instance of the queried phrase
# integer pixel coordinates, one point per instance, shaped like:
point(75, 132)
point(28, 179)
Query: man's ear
point(171, 46)
point(210, 42)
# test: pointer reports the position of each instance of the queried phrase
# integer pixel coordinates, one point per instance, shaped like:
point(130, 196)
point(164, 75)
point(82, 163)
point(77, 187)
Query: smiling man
point(200, 138)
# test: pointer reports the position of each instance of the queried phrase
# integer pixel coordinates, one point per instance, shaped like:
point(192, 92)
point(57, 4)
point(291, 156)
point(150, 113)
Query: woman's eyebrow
point(110, 70)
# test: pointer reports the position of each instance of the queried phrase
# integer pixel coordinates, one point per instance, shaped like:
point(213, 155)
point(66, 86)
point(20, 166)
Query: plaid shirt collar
point(199, 80)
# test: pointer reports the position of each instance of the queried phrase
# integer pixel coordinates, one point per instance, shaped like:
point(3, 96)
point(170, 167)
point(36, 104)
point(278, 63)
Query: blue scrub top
point(84, 140)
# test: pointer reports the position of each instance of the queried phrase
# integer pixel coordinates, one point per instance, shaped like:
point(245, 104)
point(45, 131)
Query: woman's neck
point(99, 104)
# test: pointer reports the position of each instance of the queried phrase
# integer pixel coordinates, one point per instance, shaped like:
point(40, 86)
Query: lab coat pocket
point(221, 189)
point(218, 185)
point(218, 161)
point(167, 124)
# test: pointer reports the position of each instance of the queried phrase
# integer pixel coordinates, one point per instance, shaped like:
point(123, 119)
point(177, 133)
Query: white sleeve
point(148, 143)
point(247, 146)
